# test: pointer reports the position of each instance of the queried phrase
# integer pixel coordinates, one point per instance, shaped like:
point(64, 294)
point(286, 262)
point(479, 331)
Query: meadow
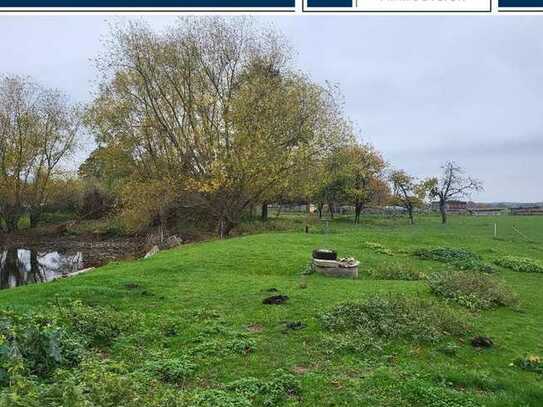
point(189, 327)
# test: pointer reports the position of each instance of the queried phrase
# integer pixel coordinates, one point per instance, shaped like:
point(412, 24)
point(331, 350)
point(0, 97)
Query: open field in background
point(198, 300)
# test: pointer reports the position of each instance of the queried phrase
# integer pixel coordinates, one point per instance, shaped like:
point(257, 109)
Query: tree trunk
point(319, 208)
point(252, 211)
point(35, 275)
point(11, 223)
point(11, 270)
point(357, 211)
point(35, 216)
point(279, 210)
point(410, 213)
point(264, 212)
point(443, 210)
point(331, 209)
point(225, 227)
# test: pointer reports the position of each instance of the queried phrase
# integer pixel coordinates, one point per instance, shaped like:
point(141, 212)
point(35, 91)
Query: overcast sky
point(422, 89)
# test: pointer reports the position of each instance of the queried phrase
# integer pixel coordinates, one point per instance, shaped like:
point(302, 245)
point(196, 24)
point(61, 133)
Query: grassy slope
point(230, 277)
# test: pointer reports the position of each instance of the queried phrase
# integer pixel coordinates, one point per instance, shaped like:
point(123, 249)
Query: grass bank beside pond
point(188, 326)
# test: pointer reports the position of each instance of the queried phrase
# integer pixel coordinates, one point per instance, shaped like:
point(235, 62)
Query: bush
point(521, 264)
point(396, 271)
point(99, 325)
point(241, 345)
point(270, 393)
point(35, 344)
point(531, 363)
point(218, 398)
point(217, 339)
point(393, 317)
point(175, 370)
point(461, 258)
point(95, 202)
point(249, 392)
point(472, 290)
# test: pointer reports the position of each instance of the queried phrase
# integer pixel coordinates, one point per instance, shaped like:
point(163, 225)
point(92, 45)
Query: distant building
point(527, 211)
point(453, 206)
point(485, 211)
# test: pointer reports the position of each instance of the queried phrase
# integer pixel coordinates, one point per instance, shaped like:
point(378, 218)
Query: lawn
point(202, 303)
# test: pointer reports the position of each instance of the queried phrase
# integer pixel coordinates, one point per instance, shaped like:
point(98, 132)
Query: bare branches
point(452, 184)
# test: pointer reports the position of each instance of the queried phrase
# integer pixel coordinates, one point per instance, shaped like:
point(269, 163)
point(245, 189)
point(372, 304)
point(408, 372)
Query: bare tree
point(452, 184)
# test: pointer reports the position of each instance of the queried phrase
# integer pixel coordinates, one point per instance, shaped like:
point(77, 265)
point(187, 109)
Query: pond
point(27, 266)
point(27, 261)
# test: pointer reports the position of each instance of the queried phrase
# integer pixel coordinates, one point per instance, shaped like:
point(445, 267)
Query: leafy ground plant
point(175, 370)
point(531, 363)
point(35, 344)
point(475, 291)
point(522, 264)
point(395, 317)
point(461, 258)
point(396, 271)
point(378, 248)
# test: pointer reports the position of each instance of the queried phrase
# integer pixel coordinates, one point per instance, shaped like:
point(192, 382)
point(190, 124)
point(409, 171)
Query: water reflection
point(26, 266)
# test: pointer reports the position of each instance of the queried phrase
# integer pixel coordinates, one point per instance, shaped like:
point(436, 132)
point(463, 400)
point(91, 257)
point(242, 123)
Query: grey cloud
point(422, 89)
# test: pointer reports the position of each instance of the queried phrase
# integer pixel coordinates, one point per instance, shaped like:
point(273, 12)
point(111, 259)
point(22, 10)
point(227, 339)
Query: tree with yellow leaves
point(210, 111)
point(38, 130)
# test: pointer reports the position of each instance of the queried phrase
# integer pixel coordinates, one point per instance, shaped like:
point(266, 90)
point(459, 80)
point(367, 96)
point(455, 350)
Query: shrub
point(175, 370)
point(270, 393)
point(393, 317)
point(33, 344)
point(522, 264)
point(472, 290)
point(345, 343)
point(395, 387)
point(396, 271)
point(233, 342)
point(461, 258)
point(99, 325)
point(218, 398)
point(531, 363)
point(420, 391)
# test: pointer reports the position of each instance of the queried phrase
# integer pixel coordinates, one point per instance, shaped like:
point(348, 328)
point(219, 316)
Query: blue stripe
point(329, 3)
point(150, 3)
point(520, 3)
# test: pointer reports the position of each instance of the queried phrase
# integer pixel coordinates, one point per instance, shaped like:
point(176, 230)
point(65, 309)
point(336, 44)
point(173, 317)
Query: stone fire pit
point(333, 267)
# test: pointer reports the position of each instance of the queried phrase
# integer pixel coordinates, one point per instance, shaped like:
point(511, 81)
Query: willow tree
point(38, 129)
point(211, 112)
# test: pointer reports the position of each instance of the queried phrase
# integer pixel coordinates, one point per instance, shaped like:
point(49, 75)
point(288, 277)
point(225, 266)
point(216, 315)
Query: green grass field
point(209, 295)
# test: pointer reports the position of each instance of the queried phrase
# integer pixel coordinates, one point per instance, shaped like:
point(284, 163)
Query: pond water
point(27, 266)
